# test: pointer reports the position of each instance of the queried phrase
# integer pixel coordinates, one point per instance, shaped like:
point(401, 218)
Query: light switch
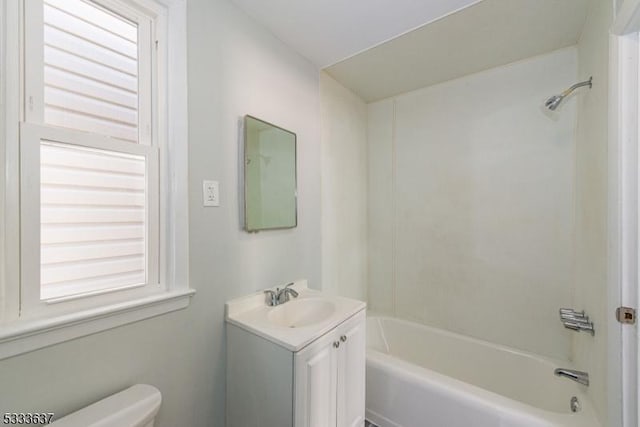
point(210, 193)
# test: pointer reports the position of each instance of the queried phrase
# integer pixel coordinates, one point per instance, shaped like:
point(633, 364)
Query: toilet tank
point(136, 406)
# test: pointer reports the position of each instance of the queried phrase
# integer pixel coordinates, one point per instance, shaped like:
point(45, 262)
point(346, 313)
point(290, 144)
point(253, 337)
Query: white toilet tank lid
point(133, 407)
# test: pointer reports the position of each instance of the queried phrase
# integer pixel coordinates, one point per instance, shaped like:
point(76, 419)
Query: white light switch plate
point(210, 193)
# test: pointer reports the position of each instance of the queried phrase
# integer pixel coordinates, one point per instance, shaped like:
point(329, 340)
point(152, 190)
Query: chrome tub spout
point(577, 376)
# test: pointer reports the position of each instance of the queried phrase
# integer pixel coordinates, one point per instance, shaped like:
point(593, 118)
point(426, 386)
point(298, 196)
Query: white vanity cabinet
point(310, 373)
point(329, 378)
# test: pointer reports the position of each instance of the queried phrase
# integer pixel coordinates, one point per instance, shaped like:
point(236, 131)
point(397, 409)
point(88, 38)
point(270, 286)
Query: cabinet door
point(351, 372)
point(316, 383)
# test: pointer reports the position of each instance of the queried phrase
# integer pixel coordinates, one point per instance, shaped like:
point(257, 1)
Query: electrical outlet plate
point(210, 193)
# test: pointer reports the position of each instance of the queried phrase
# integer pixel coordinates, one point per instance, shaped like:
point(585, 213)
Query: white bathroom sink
point(295, 323)
point(301, 313)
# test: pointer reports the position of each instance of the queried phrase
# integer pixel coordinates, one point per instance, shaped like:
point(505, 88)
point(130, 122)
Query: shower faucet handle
point(569, 313)
point(576, 320)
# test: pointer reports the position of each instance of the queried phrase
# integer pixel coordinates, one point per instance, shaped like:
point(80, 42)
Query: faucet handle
point(272, 297)
point(570, 312)
point(577, 325)
point(290, 290)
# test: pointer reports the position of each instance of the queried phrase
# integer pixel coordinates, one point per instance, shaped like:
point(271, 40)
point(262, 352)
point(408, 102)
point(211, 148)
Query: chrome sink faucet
point(577, 376)
point(280, 296)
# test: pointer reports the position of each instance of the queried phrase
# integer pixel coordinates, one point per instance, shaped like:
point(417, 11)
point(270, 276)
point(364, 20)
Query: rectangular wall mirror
point(269, 176)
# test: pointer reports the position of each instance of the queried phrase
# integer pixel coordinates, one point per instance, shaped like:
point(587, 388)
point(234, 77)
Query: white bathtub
point(418, 376)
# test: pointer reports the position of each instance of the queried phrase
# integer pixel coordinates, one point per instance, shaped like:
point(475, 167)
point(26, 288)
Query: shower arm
point(577, 85)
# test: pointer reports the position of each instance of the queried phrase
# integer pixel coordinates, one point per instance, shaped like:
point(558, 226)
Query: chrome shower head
point(553, 102)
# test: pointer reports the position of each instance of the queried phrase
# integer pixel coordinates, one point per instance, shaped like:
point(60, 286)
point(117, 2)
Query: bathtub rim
point(479, 395)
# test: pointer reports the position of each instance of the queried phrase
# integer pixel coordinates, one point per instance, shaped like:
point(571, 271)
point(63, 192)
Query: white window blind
point(90, 69)
point(92, 220)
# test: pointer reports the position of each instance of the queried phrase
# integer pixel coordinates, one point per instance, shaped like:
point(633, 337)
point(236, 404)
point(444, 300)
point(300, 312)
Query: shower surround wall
point(343, 141)
point(590, 353)
point(471, 198)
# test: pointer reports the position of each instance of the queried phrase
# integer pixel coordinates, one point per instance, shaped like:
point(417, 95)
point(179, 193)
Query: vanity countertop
point(252, 314)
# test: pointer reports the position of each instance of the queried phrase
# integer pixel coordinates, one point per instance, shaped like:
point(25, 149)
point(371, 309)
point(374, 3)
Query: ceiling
point(486, 35)
point(328, 31)
point(382, 48)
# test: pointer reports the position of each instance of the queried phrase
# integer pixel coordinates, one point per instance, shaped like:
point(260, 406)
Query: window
point(90, 63)
point(87, 201)
point(87, 139)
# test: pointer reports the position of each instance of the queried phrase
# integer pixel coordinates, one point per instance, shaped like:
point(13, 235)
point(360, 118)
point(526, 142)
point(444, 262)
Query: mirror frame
point(244, 175)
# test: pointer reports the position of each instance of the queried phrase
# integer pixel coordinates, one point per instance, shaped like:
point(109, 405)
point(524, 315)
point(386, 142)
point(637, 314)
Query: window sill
point(25, 336)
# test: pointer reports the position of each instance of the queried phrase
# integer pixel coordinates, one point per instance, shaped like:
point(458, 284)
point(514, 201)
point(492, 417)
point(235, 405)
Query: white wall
point(482, 204)
point(235, 68)
point(380, 201)
point(590, 353)
point(344, 190)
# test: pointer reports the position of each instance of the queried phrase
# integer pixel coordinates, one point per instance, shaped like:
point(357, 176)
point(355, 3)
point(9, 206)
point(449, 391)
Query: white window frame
point(26, 324)
point(33, 130)
point(31, 303)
